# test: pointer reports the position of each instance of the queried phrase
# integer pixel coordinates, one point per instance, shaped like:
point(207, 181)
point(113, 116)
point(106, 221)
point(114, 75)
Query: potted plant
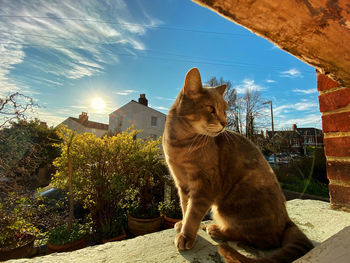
point(147, 188)
point(17, 233)
point(171, 213)
point(141, 219)
point(62, 239)
point(115, 231)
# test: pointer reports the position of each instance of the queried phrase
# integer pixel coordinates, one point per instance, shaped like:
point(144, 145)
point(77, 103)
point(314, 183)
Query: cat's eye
point(211, 109)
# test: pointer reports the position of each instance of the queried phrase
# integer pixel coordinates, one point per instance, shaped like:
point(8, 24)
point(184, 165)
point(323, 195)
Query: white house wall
point(138, 115)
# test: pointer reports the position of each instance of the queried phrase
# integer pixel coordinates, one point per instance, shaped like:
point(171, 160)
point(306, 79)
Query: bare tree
point(15, 107)
point(253, 109)
point(233, 113)
point(244, 111)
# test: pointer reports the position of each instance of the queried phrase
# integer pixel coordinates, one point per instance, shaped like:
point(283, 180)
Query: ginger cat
point(217, 169)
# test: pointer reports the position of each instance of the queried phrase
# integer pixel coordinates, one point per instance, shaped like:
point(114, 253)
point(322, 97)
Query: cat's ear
point(221, 89)
point(193, 83)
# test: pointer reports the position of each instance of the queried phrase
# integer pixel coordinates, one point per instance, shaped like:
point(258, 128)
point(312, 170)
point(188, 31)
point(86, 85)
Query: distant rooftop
point(84, 120)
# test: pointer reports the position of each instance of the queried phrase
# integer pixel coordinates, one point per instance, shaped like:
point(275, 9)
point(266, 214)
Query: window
point(154, 121)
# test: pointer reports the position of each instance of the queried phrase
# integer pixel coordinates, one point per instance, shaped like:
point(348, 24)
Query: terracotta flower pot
point(81, 243)
point(118, 238)
point(170, 222)
point(139, 227)
point(22, 251)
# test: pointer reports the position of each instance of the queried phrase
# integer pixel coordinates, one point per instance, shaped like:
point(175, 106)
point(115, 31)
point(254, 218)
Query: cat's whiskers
point(193, 143)
point(228, 139)
point(206, 142)
point(199, 142)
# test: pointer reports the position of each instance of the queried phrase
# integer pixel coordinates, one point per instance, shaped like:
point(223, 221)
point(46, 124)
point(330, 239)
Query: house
point(82, 124)
point(297, 139)
point(142, 117)
point(309, 136)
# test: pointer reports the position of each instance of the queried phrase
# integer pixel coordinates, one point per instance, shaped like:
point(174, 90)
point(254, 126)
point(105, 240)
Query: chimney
point(294, 127)
point(83, 117)
point(143, 100)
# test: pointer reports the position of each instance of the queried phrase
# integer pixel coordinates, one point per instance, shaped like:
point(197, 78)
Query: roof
point(91, 124)
point(133, 101)
point(309, 131)
point(299, 131)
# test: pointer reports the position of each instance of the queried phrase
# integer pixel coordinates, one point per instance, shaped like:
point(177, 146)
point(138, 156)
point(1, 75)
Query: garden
point(102, 189)
point(305, 174)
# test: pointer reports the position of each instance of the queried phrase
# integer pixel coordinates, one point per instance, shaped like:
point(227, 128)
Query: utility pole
point(273, 129)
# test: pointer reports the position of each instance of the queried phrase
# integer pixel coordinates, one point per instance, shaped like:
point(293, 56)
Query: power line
point(129, 24)
point(209, 61)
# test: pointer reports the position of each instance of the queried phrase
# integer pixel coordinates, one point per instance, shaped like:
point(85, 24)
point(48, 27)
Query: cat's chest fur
point(193, 164)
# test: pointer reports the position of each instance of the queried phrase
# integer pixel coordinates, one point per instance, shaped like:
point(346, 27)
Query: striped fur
point(223, 171)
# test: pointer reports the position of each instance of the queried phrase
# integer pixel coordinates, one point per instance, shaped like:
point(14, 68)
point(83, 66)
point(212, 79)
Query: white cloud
point(248, 84)
point(271, 81)
point(291, 73)
point(300, 106)
point(162, 98)
point(159, 108)
point(71, 39)
point(305, 91)
point(311, 120)
point(124, 92)
point(80, 107)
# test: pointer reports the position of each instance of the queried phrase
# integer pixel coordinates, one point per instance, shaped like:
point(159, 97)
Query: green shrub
point(60, 235)
point(105, 168)
point(15, 220)
point(25, 147)
point(170, 209)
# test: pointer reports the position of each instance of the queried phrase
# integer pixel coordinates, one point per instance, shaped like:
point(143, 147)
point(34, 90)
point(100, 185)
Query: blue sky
point(67, 53)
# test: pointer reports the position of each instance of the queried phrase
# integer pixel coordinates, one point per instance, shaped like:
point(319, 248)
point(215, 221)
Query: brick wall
point(334, 102)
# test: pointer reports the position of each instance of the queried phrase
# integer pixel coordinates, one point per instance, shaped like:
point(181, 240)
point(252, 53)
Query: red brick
point(338, 146)
point(339, 171)
point(338, 122)
point(325, 83)
point(339, 194)
point(334, 100)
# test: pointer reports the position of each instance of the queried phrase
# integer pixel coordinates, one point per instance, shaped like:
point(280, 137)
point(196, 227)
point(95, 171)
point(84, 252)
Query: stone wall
point(315, 218)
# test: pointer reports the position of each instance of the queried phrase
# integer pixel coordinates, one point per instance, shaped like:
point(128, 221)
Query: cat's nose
point(223, 123)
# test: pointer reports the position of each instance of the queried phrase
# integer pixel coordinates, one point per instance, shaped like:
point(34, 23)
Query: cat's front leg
point(197, 207)
point(183, 194)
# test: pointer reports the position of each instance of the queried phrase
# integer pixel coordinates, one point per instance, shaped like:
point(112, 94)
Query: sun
point(98, 104)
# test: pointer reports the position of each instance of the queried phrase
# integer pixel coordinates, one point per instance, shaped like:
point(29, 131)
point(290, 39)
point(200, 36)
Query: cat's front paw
point(183, 242)
point(178, 226)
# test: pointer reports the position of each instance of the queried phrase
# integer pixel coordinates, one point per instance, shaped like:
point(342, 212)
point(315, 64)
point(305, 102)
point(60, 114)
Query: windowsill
point(314, 217)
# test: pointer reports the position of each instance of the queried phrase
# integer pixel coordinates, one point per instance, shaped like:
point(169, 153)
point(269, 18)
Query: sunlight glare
point(98, 104)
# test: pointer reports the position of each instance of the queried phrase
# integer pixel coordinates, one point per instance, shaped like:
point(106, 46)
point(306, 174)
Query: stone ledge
point(314, 217)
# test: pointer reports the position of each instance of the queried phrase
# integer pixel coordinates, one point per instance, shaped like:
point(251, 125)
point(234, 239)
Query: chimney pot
point(294, 127)
point(143, 100)
point(83, 116)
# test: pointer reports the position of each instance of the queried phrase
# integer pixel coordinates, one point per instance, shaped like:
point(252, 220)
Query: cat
point(214, 168)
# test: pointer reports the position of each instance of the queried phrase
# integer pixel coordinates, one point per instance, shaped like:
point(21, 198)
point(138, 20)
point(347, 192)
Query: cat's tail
point(294, 245)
